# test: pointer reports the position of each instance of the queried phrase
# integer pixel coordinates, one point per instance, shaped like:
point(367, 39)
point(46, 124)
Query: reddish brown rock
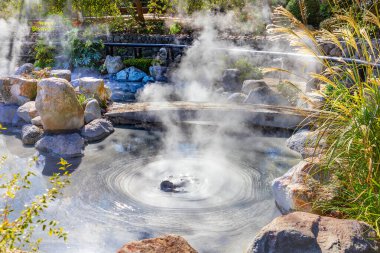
point(165, 244)
point(308, 233)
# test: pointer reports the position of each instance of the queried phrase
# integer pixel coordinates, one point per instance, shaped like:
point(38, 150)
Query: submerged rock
point(113, 64)
point(58, 106)
point(230, 80)
point(309, 233)
point(30, 134)
point(92, 111)
point(26, 68)
point(165, 244)
point(27, 111)
point(97, 130)
point(167, 186)
point(62, 145)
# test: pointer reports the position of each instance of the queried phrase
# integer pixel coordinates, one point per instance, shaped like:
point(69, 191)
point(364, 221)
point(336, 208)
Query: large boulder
point(61, 73)
point(58, 106)
point(230, 80)
point(265, 95)
point(92, 111)
point(249, 85)
point(30, 134)
point(62, 145)
point(26, 68)
point(297, 188)
point(97, 130)
point(309, 233)
point(27, 111)
point(165, 244)
point(94, 88)
point(131, 74)
point(114, 64)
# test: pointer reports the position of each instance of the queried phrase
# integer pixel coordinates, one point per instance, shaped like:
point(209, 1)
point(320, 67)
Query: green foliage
point(44, 55)
point(247, 70)
point(175, 28)
point(305, 10)
point(85, 51)
point(160, 7)
point(325, 10)
point(350, 124)
point(82, 99)
point(16, 230)
point(141, 63)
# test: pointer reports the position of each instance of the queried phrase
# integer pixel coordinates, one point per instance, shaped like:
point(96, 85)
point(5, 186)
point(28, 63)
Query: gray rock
point(114, 64)
point(237, 98)
point(230, 80)
point(27, 111)
point(62, 145)
point(131, 74)
point(30, 134)
point(58, 106)
point(311, 100)
point(304, 142)
point(92, 111)
point(301, 232)
point(26, 68)
point(159, 73)
point(162, 56)
point(249, 85)
point(61, 73)
point(37, 121)
point(8, 114)
point(297, 188)
point(266, 96)
point(97, 130)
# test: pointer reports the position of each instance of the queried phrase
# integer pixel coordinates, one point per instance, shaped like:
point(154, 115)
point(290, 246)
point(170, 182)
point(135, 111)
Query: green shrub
point(312, 14)
point(142, 63)
point(17, 229)
point(247, 70)
point(350, 122)
point(44, 55)
point(175, 28)
point(86, 53)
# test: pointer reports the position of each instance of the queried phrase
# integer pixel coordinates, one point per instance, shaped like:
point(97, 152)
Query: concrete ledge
point(159, 112)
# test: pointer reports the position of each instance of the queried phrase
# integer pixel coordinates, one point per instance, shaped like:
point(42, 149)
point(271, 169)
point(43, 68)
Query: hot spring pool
point(223, 197)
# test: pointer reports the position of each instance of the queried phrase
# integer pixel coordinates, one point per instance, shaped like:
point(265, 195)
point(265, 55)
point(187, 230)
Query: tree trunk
point(139, 10)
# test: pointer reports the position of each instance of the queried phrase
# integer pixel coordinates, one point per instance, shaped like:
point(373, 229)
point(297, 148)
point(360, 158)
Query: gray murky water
point(115, 195)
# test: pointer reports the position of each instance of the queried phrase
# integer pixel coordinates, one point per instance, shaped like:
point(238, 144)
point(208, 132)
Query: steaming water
point(115, 194)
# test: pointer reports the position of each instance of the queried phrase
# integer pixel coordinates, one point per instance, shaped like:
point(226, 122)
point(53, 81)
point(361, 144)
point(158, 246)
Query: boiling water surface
point(222, 198)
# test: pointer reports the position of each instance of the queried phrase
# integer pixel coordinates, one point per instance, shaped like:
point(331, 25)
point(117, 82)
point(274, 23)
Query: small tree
point(16, 230)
